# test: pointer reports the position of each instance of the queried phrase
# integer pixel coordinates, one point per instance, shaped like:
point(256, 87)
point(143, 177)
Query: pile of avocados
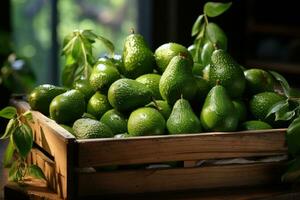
point(141, 93)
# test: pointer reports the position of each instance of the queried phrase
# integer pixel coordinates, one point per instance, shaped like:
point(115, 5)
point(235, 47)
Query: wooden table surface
point(37, 192)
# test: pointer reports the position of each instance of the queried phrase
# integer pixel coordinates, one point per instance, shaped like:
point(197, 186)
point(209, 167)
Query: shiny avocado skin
point(127, 94)
point(177, 80)
point(183, 119)
point(40, 98)
point(218, 112)
point(67, 107)
point(137, 57)
point(227, 72)
point(165, 53)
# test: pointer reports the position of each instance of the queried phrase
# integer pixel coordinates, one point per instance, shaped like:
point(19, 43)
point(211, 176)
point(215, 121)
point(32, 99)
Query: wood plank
point(32, 190)
point(159, 180)
point(56, 141)
point(101, 152)
point(274, 192)
point(277, 192)
point(47, 165)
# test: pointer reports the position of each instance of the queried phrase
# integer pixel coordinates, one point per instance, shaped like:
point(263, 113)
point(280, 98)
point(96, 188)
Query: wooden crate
point(69, 164)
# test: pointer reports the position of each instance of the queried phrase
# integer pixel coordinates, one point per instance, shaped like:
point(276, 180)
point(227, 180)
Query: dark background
point(261, 34)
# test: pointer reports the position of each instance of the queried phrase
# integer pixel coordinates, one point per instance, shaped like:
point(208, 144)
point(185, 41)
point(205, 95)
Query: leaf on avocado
point(10, 127)
point(214, 9)
point(8, 155)
point(283, 82)
point(197, 25)
point(284, 115)
point(23, 139)
point(36, 172)
point(216, 36)
point(8, 112)
point(277, 106)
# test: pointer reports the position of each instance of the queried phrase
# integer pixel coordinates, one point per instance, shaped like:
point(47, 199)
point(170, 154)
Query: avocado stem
point(155, 104)
point(132, 31)
point(182, 54)
point(206, 19)
point(215, 46)
point(218, 82)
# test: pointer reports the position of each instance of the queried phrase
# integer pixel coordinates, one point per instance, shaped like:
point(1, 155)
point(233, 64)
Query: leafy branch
point(20, 138)
point(78, 51)
point(289, 110)
point(208, 32)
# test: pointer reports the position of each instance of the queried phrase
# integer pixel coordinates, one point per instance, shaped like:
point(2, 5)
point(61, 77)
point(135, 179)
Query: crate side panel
point(140, 181)
point(176, 148)
point(56, 141)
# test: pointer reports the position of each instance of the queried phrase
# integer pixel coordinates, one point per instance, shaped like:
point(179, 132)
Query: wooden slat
point(274, 192)
point(47, 165)
point(159, 180)
point(278, 192)
point(58, 142)
point(33, 190)
point(100, 152)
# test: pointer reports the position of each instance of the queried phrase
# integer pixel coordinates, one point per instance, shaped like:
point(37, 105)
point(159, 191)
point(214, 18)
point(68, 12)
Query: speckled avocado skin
point(138, 59)
point(67, 107)
point(218, 112)
point(177, 80)
point(183, 119)
point(127, 94)
point(225, 71)
point(165, 53)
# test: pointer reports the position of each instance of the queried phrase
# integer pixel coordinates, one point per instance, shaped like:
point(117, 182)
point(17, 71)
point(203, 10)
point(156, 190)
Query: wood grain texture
point(159, 180)
point(56, 141)
point(33, 190)
point(100, 152)
point(277, 192)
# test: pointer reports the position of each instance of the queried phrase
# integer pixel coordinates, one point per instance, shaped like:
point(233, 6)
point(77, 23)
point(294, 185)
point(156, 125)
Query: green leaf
point(282, 114)
point(216, 36)
point(108, 44)
point(197, 25)
point(69, 72)
point(89, 35)
point(76, 50)
point(201, 35)
point(15, 172)
point(12, 171)
point(293, 137)
point(214, 9)
point(23, 139)
point(283, 82)
point(28, 116)
point(292, 174)
point(10, 127)
point(8, 155)
point(36, 172)
point(277, 106)
point(8, 112)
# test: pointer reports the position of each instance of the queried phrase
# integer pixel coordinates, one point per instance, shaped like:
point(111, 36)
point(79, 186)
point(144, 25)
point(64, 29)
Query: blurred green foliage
point(32, 35)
